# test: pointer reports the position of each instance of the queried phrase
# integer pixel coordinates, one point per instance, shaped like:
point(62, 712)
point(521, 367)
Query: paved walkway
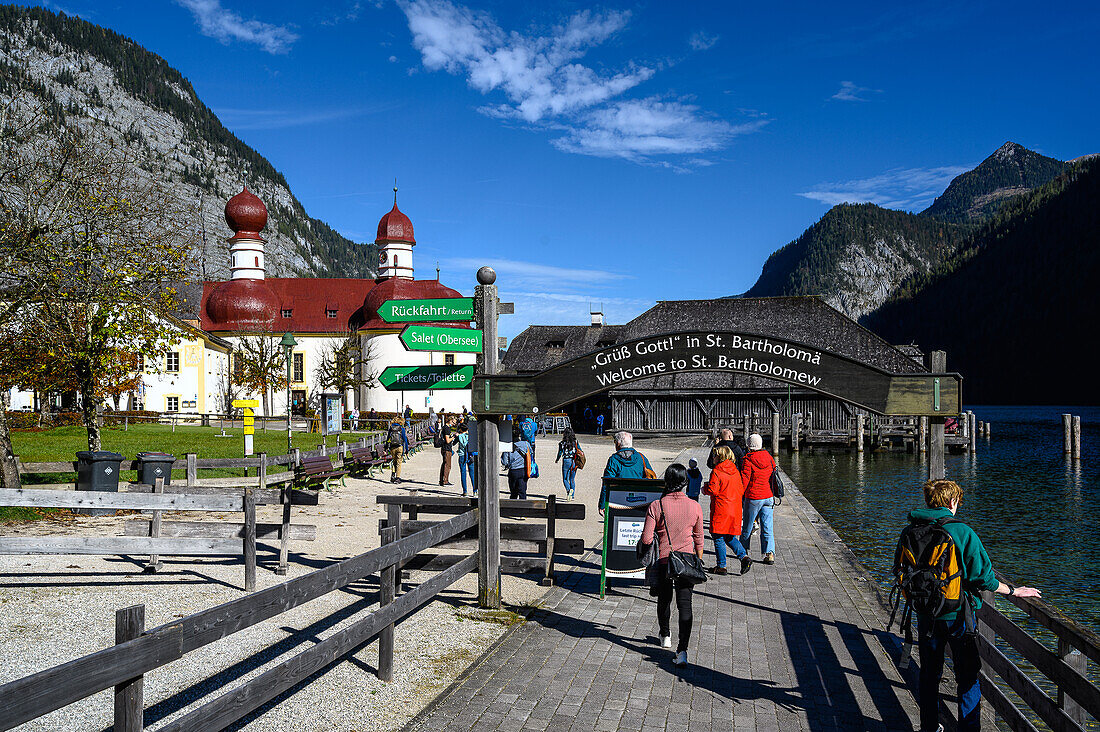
point(794, 646)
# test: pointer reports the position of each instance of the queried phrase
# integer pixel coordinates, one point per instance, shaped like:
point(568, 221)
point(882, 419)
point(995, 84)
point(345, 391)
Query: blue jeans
point(599, 428)
point(763, 509)
point(568, 473)
point(934, 636)
point(466, 463)
point(720, 543)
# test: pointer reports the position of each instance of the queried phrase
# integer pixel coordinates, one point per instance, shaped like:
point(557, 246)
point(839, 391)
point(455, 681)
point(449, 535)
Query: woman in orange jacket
point(726, 494)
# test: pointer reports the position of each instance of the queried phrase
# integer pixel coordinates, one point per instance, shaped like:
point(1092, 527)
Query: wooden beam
point(386, 596)
point(154, 528)
point(129, 695)
point(132, 501)
point(138, 545)
point(218, 530)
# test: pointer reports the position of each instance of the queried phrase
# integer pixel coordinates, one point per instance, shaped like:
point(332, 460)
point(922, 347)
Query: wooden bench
point(317, 471)
point(525, 547)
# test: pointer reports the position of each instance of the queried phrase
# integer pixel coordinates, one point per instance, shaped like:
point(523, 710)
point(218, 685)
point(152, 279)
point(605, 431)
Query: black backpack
point(393, 436)
point(927, 575)
point(778, 488)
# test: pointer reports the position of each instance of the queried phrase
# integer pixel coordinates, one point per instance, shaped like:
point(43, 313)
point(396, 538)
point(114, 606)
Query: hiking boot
point(769, 558)
point(681, 658)
point(666, 641)
point(719, 570)
point(746, 565)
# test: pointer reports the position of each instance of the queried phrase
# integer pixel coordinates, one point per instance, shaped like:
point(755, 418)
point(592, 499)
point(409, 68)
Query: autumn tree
point(346, 363)
point(96, 248)
point(259, 365)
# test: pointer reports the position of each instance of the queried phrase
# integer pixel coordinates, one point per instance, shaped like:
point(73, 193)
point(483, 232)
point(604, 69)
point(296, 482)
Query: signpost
point(420, 378)
point(246, 406)
point(437, 310)
point(432, 338)
point(628, 500)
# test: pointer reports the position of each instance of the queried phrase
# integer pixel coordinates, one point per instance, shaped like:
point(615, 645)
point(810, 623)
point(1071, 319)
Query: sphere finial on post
point(486, 275)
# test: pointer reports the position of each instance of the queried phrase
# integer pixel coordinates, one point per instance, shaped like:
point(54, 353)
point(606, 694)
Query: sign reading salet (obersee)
point(772, 358)
point(431, 338)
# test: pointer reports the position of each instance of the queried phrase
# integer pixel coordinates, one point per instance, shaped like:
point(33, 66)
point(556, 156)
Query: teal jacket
point(626, 463)
point(977, 568)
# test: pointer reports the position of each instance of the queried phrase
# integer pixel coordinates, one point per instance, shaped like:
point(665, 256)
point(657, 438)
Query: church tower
point(395, 243)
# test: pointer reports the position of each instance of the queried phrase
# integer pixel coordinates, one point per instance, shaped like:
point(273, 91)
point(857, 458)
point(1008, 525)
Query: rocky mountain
point(857, 255)
point(93, 77)
point(977, 194)
point(1015, 307)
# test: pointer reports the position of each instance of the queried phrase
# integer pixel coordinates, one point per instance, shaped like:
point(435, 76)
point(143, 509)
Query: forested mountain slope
point(95, 78)
point(1016, 308)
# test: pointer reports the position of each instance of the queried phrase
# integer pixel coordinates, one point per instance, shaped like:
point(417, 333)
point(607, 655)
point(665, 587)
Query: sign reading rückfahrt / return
point(435, 310)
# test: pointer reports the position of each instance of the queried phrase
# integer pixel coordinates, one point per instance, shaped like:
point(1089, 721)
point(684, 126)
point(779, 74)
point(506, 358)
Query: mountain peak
point(1008, 151)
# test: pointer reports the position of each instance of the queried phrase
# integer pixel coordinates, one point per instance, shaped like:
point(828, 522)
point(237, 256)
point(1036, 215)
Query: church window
point(299, 370)
point(172, 362)
point(330, 312)
point(448, 359)
point(288, 312)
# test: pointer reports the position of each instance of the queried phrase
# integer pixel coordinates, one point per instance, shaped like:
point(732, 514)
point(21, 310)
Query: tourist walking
point(599, 423)
point(567, 454)
point(625, 462)
point(530, 430)
point(735, 444)
point(676, 523)
point(397, 442)
point(446, 450)
point(956, 627)
point(726, 494)
point(518, 463)
point(756, 476)
point(695, 480)
point(466, 453)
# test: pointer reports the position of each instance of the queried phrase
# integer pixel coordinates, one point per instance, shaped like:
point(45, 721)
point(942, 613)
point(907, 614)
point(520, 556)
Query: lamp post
point(288, 344)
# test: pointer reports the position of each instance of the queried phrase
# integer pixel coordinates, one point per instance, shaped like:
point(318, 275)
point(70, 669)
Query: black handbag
point(683, 566)
point(646, 553)
point(778, 489)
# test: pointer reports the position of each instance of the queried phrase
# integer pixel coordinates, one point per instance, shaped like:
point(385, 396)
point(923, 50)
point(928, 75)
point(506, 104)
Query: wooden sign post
point(488, 514)
point(247, 421)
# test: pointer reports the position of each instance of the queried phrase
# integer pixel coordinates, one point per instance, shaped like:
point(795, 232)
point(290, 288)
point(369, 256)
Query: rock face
point(92, 77)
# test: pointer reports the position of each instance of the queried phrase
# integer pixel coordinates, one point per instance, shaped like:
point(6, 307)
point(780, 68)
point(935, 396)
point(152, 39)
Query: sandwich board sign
point(628, 500)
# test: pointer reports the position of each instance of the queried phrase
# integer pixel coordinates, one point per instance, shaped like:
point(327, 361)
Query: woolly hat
point(693, 463)
point(756, 442)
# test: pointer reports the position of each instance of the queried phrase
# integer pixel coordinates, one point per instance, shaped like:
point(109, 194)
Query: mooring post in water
point(1077, 437)
point(775, 433)
point(922, 435)
point(987, 430)
point(747, 426)
point(796, 428)
point(938, 365)
point(488, 514)
point(859, 433)
point(973, 432)
point(1067, 433)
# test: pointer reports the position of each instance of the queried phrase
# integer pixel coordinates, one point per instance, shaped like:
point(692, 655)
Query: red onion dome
point(246, 215)
point(395, 226)
point(244, 303)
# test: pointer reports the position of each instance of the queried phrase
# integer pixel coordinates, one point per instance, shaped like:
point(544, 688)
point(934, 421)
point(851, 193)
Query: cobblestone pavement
point(793, 646)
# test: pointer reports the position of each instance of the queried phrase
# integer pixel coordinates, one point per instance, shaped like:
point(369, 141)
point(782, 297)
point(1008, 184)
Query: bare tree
point(346, 363)
point(259, 365)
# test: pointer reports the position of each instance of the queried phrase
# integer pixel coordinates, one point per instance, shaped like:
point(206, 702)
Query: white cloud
point(700, 41)
point(515, 275)
point(272, 119)
point(555, 308)
point(850, 92)
point(225, 25)
point(910, 189)
point(393, 59)
point(544, 84)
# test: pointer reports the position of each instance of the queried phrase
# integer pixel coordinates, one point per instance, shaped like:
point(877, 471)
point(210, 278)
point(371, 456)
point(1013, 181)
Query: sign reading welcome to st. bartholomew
point(786, 361)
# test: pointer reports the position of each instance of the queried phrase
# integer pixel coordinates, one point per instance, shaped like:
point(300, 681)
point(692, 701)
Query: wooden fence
point(1063, 668)
point(525, 547)
point(138, 651)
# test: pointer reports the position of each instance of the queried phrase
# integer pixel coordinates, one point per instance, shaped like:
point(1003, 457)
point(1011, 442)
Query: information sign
point(431, 338)
point(420, 378)
point(445, 309)
point(628, 500)
point(333, 406)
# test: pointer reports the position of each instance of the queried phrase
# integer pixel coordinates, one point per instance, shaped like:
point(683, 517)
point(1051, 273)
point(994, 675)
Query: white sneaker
point(666, 641)
point(681, 658)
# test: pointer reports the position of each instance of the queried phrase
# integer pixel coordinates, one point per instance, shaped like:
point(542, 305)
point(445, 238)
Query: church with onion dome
point(321, 313)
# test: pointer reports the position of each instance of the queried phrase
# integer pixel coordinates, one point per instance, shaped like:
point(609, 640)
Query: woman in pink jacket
point(676, 522)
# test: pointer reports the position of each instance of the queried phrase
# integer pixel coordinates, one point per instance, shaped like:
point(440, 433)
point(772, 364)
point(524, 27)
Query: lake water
point(1037, 512)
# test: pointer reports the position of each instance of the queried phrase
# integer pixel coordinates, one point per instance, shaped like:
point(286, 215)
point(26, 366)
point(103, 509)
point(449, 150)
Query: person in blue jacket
point(625, 462)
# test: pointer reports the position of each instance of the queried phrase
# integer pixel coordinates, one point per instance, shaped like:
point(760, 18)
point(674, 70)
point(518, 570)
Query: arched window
point(257, 262)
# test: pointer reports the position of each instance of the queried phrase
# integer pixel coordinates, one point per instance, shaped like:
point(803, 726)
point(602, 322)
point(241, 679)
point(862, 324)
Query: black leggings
point(665, 590)
point(517, 482)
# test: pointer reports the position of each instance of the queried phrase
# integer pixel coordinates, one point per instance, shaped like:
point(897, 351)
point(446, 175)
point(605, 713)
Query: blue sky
point(622, 153)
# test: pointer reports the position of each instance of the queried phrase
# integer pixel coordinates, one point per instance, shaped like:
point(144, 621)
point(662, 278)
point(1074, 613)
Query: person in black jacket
point(735, 444)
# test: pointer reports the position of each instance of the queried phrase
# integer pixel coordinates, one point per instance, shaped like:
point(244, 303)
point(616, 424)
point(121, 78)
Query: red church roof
point(399, 288)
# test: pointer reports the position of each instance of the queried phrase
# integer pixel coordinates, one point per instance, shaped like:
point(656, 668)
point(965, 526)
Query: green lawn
point(63, 443)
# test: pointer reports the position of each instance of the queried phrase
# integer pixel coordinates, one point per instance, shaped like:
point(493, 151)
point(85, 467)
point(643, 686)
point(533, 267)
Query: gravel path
point(56, 608)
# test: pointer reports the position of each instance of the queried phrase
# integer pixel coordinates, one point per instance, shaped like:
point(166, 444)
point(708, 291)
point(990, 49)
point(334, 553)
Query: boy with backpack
point(940, 566)
point(397, 442)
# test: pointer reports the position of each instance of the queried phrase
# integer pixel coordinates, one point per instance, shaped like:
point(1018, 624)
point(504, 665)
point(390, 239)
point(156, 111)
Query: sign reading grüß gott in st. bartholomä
point(773, 358)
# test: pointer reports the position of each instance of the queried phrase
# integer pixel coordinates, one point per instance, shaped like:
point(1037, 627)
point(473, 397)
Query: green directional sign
point(413, 378)
point(436, 310)
point(431, 338)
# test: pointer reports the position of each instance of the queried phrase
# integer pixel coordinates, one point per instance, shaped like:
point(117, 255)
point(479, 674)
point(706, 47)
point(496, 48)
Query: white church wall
point(389, 351)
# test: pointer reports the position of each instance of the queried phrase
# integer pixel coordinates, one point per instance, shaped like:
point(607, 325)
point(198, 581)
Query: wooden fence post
point(249, 539)
point(192, 469)
point(129, 695)
point(551, 533)
point(393, 519)
point(154, 528)
point(938, 365)
point(775, 433)
point(386, 595)
point(488, 430)
point(1080, 663)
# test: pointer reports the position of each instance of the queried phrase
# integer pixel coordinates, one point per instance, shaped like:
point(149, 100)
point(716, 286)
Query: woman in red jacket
point(726, 495)
point(756, 475)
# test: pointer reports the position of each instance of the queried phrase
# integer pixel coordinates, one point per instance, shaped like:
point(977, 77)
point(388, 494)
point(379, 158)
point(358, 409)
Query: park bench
point(317, 471)
point(525, 547)
point(365, 458)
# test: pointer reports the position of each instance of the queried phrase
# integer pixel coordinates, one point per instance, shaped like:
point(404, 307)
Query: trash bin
point(97, 471)
point(153, 465)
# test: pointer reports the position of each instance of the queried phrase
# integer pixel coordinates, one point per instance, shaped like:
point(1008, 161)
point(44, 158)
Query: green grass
point(63, 443)
point(10, 514)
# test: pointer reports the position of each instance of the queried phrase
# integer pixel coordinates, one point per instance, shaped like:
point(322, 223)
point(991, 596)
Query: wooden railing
point(1064, 668)
point(138, 651)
